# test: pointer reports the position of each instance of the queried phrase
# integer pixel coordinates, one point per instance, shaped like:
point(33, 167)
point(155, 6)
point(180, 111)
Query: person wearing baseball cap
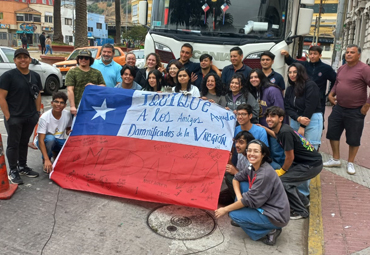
point(80, 77)
point(20, 102)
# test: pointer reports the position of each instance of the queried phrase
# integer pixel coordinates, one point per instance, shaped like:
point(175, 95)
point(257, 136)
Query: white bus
point(215, 26)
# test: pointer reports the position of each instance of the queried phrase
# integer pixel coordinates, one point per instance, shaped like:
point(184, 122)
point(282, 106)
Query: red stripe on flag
point(143, 170)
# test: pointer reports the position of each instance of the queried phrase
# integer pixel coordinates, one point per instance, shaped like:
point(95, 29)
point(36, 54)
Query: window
point(44, 1)
point(90, 29)
point(9, 54)
point(3, 36)
point(37, 18)
point(33, 1)
point(20, 17)
point(28, 17)
point(1, 60)
point(68, 22)
point(50, 2)
point(1, 15)
point(99, 25)
point(68, 38)
point(49, 19)
point(117, 53)
point(106, 26)
point(134, 10)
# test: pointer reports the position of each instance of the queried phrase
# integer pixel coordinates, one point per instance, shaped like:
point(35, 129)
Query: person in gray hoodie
point(262, 206)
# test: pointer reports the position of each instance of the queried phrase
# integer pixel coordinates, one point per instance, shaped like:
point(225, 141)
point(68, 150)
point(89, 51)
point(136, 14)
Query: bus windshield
point(263, 19)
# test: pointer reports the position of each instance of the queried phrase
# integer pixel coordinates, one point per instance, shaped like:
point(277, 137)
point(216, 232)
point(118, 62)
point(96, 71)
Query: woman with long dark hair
point(262, 206)
point(153, 62)
point(170, 78)
point(212, 89)
point(239, 94)
point(267, 94)
point(154, 81)
point(184, 85)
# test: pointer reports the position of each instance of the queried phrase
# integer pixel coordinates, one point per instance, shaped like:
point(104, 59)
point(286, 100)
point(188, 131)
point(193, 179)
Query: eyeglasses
point(86, 58)
point(173, 69)
point(59, 102)
point(242, 114)
point(253, 151)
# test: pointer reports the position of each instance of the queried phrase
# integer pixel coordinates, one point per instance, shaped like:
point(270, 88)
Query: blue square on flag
point(205, 7)
point(224, 7)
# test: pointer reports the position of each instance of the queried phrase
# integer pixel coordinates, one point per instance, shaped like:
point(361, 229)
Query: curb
point(315, 230)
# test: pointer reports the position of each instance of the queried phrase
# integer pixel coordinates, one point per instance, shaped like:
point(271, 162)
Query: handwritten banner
point(159, 147)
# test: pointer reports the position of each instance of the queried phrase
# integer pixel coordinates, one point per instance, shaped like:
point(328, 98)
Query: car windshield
point(139, 54)
point(233, 18)
point(9, 53)
point(74, 54)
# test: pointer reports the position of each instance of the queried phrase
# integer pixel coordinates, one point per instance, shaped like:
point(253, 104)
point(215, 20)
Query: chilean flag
point(224, 7)
point(205, 7)
point(159, 147)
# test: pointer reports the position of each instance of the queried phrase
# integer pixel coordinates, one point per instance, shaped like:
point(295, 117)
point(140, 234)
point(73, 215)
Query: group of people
point(278, 130)
point(45, 43)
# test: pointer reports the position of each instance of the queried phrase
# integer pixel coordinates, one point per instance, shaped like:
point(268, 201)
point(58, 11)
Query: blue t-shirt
point(111, 72)
point(258, 133)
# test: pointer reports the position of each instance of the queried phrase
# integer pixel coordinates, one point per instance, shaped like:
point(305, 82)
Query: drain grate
point(181, 223)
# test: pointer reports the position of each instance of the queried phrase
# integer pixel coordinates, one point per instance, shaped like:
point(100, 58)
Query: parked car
point(140, 58)
point(51, 77)
point(71, 60)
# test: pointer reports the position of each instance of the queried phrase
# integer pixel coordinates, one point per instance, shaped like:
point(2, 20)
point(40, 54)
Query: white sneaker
point(351, 168)
point(332, 163)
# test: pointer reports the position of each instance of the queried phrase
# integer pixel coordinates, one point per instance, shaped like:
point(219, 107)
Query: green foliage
point(109, 4)
point(135, 33)
point(94, 8)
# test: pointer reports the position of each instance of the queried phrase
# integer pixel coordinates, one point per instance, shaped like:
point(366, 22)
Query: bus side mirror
point(143, 12)
point(303, 27)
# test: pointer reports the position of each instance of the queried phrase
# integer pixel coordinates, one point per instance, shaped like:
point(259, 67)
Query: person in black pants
point(42, 42)
point(302, 161)
point(20, 101)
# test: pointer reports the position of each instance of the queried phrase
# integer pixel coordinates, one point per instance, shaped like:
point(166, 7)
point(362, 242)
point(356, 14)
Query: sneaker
point(351, 168)
point(307, 205)
point(296, 216)
point(332, 163)
point(272, 237)
point(234, 224)
point(25, 170)
point(14, 177)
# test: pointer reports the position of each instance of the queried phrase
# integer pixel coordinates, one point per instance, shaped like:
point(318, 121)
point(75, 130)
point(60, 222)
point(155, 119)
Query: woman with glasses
point(170, 78)
point(212, 89)
point(262, 207)
point(239, 94)
point(184, 85)
point(153, 62)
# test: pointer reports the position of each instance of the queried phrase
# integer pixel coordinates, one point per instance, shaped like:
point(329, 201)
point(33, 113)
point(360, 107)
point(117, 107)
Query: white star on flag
point(102, 110)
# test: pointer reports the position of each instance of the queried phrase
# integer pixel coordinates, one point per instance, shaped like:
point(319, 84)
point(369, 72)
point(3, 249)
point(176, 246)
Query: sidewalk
point(341, 225)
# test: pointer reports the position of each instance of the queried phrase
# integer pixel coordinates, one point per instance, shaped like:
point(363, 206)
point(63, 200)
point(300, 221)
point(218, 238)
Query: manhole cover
point(181, 223)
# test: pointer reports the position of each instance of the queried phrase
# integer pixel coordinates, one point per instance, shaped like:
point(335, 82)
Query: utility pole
point(318, 23)
point(338, 33)
point(126, 14)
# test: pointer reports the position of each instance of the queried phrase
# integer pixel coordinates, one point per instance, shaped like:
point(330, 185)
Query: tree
point(136, 33)
point(81, 24)
point(58, 36)
point(117, 8)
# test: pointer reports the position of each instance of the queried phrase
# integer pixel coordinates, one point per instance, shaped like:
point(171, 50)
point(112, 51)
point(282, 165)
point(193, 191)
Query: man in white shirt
point(53, 127)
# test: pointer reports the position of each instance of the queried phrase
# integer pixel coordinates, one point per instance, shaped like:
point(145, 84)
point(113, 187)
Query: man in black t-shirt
point(42, 42)
point(20, 101)
point(302, 161)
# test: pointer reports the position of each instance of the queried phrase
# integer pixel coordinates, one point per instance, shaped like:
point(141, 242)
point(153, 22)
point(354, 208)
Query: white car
point(51, 78)
point(140, 58)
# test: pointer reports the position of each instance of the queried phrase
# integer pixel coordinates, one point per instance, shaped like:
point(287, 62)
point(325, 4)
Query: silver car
point(51, 77)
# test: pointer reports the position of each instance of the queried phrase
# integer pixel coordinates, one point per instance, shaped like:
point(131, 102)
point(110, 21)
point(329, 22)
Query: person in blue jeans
point(54, 126)
point(261, 207)
point(48, 45)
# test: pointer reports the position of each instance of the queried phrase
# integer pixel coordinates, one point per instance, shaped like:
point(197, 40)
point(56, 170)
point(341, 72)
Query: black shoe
point(296, 216)
point(272, 237)
point(14, 177)
point(25, 170)
point(225, 198)
point(234, 224)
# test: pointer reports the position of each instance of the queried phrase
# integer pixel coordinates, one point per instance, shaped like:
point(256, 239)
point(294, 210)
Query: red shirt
point(351, 85)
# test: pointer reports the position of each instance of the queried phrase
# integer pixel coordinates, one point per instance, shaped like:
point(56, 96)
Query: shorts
point(349, 119)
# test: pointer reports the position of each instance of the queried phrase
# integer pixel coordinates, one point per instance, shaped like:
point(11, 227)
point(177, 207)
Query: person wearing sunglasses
point(54, 126)
point(80, 77)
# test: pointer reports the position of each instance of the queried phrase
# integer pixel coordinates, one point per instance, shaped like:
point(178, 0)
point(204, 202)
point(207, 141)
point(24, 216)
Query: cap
point(86, 53)
point(21, 51)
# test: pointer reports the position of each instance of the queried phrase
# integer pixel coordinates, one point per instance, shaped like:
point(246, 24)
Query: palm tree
point(58, 36)
point(117, 39)
point(81, 24)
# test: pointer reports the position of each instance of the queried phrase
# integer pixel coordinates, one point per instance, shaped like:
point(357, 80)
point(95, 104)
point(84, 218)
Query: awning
point(24, 32)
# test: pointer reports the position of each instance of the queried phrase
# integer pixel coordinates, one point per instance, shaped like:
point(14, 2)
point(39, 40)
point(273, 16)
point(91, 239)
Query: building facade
point(29, 17)
point(357, 28)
